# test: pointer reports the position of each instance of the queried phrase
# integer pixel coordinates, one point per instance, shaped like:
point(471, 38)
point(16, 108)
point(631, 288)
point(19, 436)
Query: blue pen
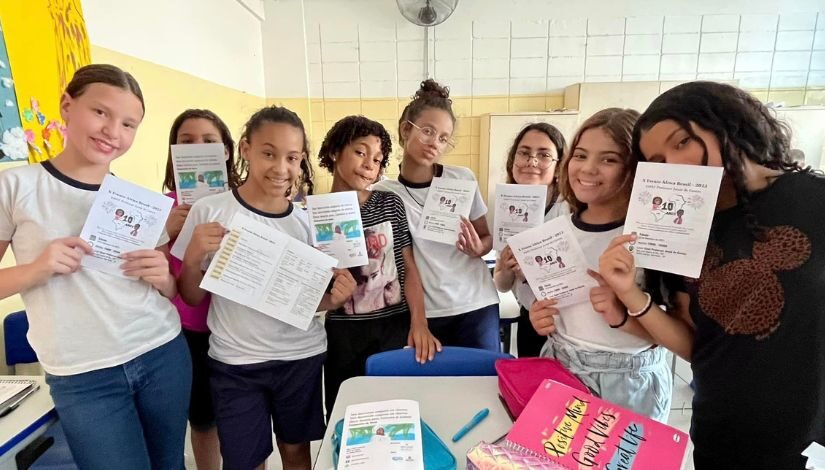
point(479, 417)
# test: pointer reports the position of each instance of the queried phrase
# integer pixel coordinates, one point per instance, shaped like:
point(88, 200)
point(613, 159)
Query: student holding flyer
point(752, 323)
point(264, 372)
point(532, 159)
point(612, 355)
point(386, 310)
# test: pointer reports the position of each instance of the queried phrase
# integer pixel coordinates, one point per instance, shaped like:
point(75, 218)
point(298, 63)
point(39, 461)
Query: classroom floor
point(679, 414)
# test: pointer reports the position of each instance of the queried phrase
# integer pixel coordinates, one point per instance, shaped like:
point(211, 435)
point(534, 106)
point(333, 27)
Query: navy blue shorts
point(247, 398)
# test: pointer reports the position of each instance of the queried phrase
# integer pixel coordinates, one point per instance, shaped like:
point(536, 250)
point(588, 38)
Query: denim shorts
point(641, 382)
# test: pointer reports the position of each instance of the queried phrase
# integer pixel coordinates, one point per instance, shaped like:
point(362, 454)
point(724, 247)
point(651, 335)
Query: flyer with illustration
point(337, 230)
point(447, 201)
point(124, 217)
point(200, 171)
point(553, 262)
point(671, 212)
point(383, 435)
point(518, 207)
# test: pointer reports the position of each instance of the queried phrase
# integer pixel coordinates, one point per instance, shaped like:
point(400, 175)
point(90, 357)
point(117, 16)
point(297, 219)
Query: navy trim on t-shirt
point(260, 212)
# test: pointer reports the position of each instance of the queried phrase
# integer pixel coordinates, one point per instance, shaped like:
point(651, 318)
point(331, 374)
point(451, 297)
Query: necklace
point(413, 197)
point(404, 183)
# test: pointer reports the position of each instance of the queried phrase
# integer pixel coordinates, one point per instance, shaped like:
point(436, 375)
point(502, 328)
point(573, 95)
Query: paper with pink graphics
point(671, 211)
point(581, 432)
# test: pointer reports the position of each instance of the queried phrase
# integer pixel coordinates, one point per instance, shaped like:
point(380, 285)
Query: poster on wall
point(44, 42)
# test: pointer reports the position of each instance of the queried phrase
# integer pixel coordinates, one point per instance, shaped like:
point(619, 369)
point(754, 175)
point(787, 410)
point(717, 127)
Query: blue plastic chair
point(18, 349)
point(452, 361)
point(57, 455)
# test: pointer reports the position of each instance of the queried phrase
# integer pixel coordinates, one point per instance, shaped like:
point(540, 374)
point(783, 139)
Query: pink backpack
point(518, 379)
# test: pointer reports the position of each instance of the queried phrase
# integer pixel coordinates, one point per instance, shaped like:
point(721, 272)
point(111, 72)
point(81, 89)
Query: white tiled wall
point(499, 57)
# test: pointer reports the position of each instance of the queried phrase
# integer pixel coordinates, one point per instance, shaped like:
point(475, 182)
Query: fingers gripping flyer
point(447, 201)
point(124, 217)
point(553, 262)
point(671, 212)
point(269, 271)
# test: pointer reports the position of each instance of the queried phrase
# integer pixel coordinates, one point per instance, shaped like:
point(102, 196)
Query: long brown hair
point(618, 124)
point(232, 167)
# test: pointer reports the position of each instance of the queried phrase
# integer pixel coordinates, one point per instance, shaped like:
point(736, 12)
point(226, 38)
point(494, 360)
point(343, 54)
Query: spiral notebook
point(577, 431)
point(10, 390)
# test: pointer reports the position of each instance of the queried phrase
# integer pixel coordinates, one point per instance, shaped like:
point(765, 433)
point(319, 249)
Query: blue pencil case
point(436, 454)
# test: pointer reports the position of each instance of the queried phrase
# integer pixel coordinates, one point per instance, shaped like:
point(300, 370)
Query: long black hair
point(744, 127)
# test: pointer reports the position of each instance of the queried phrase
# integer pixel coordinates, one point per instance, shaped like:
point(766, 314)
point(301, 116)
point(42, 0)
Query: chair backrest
point(18, 349)
point(451, 361)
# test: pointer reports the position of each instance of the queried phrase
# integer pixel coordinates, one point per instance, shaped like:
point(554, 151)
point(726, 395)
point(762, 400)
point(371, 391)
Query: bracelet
point(644, 310)
point(624, 320)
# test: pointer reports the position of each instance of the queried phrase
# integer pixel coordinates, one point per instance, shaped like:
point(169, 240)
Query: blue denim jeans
point(475, 329)
point(131, 416)
point(640, 382)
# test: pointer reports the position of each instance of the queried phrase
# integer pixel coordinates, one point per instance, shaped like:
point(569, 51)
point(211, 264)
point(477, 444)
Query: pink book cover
point(583, 432)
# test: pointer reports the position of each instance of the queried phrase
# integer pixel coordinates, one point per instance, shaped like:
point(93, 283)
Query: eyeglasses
point(543, 159)
point(428, 135)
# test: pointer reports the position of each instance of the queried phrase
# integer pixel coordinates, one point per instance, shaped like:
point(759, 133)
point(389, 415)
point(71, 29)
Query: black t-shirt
point(759, 352)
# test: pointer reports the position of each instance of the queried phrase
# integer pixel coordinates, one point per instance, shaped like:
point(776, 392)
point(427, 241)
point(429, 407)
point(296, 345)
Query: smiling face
point(101, 122)
point(274, 152)
point(596, 170)
point(538, 144)
point(358, 165)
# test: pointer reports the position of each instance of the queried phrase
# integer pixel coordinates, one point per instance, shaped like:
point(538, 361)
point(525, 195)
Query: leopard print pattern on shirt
point(745, 296)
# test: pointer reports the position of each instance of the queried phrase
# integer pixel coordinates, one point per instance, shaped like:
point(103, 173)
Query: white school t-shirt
point(453, 282)
point(521, 290)
point(87, 320)
point(242, 335)
point(579, 323)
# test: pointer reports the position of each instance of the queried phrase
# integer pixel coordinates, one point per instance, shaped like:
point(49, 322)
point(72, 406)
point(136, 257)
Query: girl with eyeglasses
point(532, 159)
point(460, 299)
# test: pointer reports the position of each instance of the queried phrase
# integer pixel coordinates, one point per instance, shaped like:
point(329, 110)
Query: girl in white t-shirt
point(532, 159)
point(598, 341)
point(117, 366)
point(460, 299)
point(264, 372)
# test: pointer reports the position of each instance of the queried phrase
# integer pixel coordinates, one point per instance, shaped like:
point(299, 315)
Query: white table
point(446, 404)
point(29, 421)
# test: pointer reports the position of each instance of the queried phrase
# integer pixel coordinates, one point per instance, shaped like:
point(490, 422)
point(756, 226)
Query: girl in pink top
point(197, 126)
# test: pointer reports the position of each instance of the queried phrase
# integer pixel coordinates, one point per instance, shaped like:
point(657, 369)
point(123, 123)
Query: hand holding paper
point(617, 266)
point(61, 256)
point(343, 285)
point(469, 242)
point(605, 302)
point(542, 316)
point(151, 266)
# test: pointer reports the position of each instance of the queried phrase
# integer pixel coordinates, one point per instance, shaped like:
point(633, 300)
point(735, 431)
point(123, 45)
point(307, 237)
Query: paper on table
point(671, 212)
point(383, 435)
point(447, 200)
point(518, 207)
point(124, 217)
point(200, 170)
point(553, 262)
point(269, 271)
point(337, 230)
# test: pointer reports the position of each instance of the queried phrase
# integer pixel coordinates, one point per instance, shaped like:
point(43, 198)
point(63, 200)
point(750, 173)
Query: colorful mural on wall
point(44, 42)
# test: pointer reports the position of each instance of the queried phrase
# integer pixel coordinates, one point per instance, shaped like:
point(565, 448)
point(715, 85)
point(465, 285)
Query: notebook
point(10, 390)
point(581, 431)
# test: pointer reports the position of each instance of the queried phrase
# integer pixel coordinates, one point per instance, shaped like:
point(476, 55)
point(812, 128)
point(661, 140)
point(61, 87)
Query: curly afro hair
point(347, 130)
